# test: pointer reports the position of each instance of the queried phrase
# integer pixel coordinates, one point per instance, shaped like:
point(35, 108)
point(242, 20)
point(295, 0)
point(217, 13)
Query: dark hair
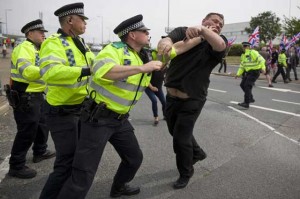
point(215, 13)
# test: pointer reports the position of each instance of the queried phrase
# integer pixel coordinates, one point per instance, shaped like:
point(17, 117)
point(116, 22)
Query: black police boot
point(48, 154)
point(252, 100)
point(24, 173)
point(181, 182)
point(125, 189)
point(201, 155)
point(245, 105)
point(273, 81)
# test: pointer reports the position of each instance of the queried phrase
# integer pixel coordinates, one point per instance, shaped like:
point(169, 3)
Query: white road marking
point(3, 107)
point(4, 168)
point(279, 89)
point(266, 125)
point(217, 90)
point(270, 109)
point(276, 100)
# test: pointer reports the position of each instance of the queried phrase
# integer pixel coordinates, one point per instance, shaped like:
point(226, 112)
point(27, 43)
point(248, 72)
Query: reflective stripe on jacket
point(25, 67)
point(61, 63)
point(251, 60)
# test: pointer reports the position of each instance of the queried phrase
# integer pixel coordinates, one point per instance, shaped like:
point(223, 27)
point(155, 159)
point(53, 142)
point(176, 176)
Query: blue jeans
point(152, 96)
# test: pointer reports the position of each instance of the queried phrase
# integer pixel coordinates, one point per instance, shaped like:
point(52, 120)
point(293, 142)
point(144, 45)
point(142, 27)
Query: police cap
point(71, 9)
point(283, 50)
point(245, 43)
point(33, 25)
point(133, 23)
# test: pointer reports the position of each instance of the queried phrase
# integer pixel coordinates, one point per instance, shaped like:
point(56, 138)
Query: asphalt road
point(253, 154)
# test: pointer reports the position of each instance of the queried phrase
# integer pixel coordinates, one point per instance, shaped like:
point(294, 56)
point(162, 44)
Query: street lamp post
point(101, 29)
point(6, 19)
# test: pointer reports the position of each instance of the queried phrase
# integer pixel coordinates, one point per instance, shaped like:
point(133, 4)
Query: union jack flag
point(292, 41)
point(270, 45)
point(231, 41)
point(254, 37)
point(283, 42)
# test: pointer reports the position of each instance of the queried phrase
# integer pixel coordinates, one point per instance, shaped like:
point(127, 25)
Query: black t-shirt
point(190, 71)
point(274, 57)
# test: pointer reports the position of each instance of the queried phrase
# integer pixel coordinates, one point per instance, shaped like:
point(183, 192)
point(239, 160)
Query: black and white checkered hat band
point(71, 12)
point(130, 28)
point(37, 26)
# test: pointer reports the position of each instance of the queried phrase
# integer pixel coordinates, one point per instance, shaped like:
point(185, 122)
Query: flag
point(254, 37)
point(292, 41)
point(231, 41)
point(270, 45)
point(283, 42)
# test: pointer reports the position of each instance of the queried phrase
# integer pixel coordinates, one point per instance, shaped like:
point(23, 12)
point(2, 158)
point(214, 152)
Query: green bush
point(235, 50)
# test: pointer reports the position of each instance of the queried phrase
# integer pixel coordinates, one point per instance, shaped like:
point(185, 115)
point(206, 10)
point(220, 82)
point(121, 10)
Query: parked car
point(19, 40)
point(96, 47)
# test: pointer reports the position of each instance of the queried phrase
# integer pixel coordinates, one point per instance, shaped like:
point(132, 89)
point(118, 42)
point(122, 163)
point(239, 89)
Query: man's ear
point(70, 20)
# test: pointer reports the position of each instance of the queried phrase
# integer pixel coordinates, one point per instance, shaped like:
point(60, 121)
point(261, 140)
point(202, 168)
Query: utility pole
point(6, 18)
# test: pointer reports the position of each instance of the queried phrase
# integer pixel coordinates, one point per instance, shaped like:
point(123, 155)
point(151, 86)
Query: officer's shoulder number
point(118, 44)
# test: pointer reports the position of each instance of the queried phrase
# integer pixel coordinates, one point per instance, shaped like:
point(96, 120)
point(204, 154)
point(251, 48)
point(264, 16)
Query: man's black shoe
point(48, 154)
point(123, 190)
point(245, 105)
point(181, 182)
point(252, 100)
point(199, 156)
point(23, 173)
point(273, 81)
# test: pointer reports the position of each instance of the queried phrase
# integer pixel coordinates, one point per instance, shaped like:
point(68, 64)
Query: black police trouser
point(223, 62)
point(280, 70)
point(93, 139)
point(181, 115)
point(65, 130)
point(247, 83)
point(31, 128)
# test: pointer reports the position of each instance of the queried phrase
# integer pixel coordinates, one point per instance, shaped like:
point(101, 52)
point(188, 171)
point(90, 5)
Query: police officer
point(28, 101)
point(119, 79)
point(281, 63)
point(252, 63)
point(65, 62)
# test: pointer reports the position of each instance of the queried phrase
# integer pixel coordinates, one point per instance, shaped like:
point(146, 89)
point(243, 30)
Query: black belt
point(105, 112)
point(31, 94)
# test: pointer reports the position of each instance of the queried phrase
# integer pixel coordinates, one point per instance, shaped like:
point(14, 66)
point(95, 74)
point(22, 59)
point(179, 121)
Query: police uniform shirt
point(190, 71)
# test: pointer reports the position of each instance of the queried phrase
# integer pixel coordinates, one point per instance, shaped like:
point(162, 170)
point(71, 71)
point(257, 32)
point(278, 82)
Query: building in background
point(238, 30)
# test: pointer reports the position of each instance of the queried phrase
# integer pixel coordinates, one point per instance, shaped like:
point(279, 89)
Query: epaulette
point(118, 44)
point(55, 35)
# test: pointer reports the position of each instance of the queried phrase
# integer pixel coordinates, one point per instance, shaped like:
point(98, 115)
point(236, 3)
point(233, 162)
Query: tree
point(291, 26)
point(269, 26)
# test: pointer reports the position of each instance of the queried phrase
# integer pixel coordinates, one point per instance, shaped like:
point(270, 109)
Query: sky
point(158, 14)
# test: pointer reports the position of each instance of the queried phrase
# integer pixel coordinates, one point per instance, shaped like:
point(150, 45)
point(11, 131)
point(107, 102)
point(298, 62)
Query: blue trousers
point(152, 96)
